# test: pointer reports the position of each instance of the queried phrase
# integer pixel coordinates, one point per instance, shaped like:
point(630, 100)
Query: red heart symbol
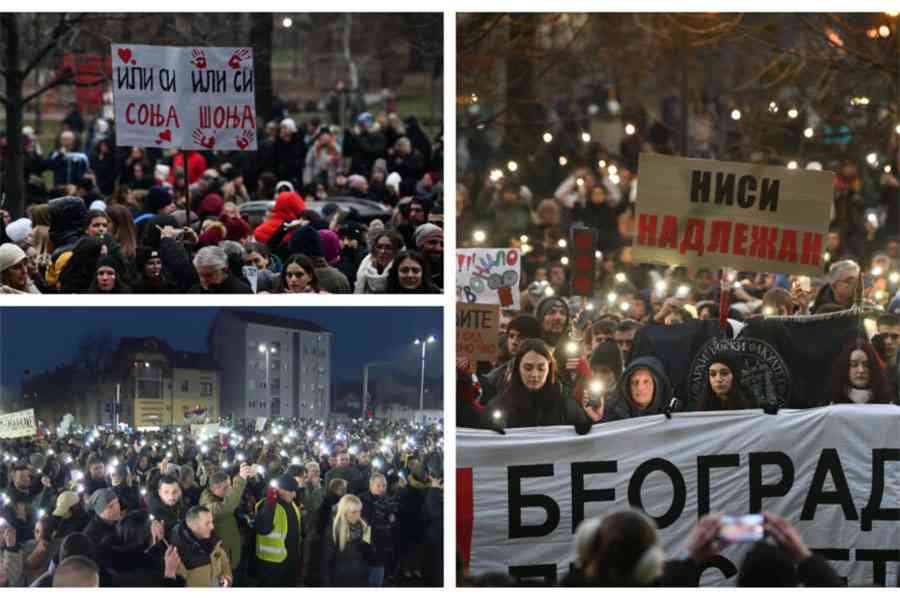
point(125, 55)
point(166, 135)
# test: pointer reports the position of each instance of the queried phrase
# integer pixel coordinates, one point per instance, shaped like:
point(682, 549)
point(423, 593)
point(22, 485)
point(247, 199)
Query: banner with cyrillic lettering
point(185, 98)
point(834, 472)
point(18, 424)
point(712, 214)
point(488, 276)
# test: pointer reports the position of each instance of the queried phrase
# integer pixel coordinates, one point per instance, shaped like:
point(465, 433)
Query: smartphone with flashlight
point(741, 529)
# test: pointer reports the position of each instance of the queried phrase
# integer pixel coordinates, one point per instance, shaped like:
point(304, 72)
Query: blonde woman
point(347, 547)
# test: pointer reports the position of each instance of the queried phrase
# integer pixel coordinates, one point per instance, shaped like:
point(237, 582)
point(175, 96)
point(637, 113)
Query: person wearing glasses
point(843, 277)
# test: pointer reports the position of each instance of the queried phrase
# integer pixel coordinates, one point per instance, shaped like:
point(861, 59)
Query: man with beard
point(167, 505)
point(415, 214)
point(430, 242)
point(553, 316)
point(204, 562)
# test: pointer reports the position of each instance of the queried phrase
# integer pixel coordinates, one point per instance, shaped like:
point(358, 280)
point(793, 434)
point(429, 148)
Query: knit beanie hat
point(426, 232)
point(10, 255)
point(98, 205)
point(18, 229)
point(157, 198)
point(548, 302)
point(142, 256)
point(393, 181)
point(331, 245)
point(356, 182)
point(306, 241)
point(527, 326)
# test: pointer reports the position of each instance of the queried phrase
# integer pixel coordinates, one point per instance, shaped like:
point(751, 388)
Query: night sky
point(42, 338)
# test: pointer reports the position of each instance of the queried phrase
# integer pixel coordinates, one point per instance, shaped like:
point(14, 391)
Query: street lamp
point(424, 344)
point(267, 351)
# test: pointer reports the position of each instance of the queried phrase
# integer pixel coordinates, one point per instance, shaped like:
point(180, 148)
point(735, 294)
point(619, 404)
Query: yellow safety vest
point(271, 547)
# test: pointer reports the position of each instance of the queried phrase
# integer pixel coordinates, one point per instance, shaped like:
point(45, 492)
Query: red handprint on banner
point(199, 58)
point(244, 139)
point(206, 142)
point(240, 54)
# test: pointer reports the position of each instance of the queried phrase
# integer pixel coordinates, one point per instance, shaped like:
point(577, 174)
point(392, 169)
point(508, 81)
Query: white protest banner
point(260, 424)
point(184, 98)
point(834, 472)
point(209, 430)
point(488, 276)
point(713, 214)
point(18, 424)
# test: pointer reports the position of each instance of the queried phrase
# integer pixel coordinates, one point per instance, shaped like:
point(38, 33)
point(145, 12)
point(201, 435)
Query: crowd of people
point(143, 220)
point(341, 503)
point(623, 549)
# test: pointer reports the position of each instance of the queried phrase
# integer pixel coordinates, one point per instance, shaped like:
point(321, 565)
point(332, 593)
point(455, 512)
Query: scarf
point(858, 396)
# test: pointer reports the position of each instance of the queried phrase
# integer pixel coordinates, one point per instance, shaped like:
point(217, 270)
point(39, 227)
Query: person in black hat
point(278, 540)
point(158, 201)
point(353, 249)
point(108, 277)
point(151, 277)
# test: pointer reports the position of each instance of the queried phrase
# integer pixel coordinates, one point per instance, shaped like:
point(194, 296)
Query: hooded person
point(288, 207)
point(308, 242)
point(109, 277)
point(644, 389)
point(80, 269)
point(351, 239)
point(605, 370)
point(68, 220)
point(429, 240)
point(723, 389)
point(14, 271)
point(534, 397)
point(151, 276)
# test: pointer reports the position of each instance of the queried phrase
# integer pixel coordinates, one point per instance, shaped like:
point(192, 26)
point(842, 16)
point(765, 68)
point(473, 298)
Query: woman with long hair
point(858, 376)
point(347, 548)
point(298, 276)
point(122, 229)
point(534, 396)
point(109, 277)
point(723, 390)
point(410, 274)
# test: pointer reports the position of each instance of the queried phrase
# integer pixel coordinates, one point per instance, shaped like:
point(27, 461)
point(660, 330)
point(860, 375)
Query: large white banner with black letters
point(833, 471)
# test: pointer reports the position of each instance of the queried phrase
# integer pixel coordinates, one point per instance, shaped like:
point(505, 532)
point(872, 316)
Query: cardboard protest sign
point(18, 424)
point(488, 276)
point(714, 214)
point(185, 98)
point(477, 331)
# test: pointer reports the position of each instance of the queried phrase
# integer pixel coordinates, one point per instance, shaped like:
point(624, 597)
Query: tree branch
point(63, 27)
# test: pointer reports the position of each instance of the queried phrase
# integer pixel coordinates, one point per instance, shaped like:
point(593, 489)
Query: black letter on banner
point(581, 496)
point(721, 563)
point(704, 465)
point(879, 559)
point(873, 510)
point(519, 501)
point(546, 573)
point(679, 490)
point(758, 491)
point(833, 555)
point(829, 462)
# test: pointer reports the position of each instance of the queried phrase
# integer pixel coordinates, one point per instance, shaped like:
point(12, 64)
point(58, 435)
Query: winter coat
point(380, 513)
point(169, 515)
point(348, 567)
point(551, 405)
point(231, 285)
point(330, 279)
point(225, 522)
point(68, 220)
point(288, 207)
point(99, 529)
point(620, 406)
point(312, 502)
point(368, 279)
point(12, 562)
point(203, 562)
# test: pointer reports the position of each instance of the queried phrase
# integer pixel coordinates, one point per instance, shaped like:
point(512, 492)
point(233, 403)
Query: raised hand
point(240, 54)
point(199, 58)
point(172, 562)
